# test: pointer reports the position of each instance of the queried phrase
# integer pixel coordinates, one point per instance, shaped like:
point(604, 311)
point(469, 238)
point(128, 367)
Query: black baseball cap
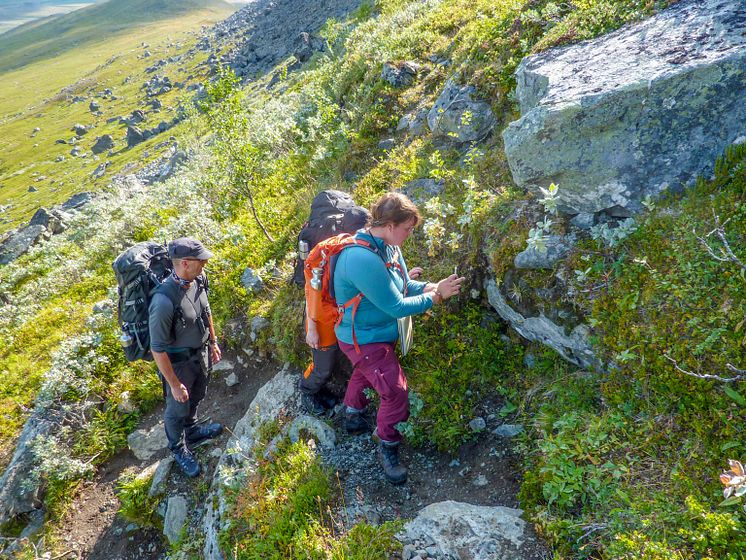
point(188, 248)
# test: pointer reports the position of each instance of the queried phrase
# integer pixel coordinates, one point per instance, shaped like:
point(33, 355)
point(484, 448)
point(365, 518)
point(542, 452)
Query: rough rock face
point(16, 495)
point(643, 109)
point(270, 32)
point(458, 530)
point(103, 143)
point(458, 116)
point(266, 405)
point(20, 242)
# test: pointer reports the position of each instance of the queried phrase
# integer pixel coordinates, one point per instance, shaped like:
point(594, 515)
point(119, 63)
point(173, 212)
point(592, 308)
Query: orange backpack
point(319, 274)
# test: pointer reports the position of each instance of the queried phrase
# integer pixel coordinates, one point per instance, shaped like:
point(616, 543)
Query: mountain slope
point(52, 36)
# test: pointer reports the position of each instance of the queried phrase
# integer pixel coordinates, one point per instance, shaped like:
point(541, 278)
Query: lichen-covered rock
point(400, 74)
point(267, 404)
point(458, 117)
point(422, 190)
point(176, 514)
point(251, 280)
point(20, 242)
point(641, 110)
point(459, 530)
point(103, 143)
point(556, 248)
point(146, 443)
point(18, 495)
point(321, 430)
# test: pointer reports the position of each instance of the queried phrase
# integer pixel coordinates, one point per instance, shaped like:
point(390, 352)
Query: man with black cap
point(184, 345)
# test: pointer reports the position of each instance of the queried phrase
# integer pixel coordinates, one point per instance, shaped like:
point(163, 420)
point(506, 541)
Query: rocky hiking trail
point(470, 497)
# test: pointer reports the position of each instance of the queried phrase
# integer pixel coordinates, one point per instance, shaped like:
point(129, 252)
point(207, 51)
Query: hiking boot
point(187, 462)
point(327, 398)
point(201, 433)
point(388, 456)
point(356, 423)
point(312, 404)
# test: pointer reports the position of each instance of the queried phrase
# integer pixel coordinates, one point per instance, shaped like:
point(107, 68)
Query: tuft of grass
point(134, 503)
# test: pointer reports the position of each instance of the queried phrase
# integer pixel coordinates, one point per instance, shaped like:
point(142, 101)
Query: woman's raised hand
point(450, 286)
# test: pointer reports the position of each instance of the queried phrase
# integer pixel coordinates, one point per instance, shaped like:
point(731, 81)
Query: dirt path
point(91, 528)
point(485, 472)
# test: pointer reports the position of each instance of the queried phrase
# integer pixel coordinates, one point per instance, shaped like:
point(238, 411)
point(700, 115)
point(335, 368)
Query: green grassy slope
point(52, 36)
point(39, 96)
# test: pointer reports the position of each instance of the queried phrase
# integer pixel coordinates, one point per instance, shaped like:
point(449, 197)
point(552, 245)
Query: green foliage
point(624, 464)
point(455, 363)
point(284, 512)
point(134, 503)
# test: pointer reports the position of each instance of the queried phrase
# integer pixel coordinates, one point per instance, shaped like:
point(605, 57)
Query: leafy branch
point(225, 116)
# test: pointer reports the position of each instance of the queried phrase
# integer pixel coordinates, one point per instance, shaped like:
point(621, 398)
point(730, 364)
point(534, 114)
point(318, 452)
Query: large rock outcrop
point(641, 110)
point(458, 530)
point(238, 455)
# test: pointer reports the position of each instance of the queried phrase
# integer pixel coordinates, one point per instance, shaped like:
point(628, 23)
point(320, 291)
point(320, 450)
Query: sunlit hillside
point(108, 54)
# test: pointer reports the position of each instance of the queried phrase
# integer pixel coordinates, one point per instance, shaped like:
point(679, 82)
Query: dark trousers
point(178, 417)
point(378, 367)
point(324, 361)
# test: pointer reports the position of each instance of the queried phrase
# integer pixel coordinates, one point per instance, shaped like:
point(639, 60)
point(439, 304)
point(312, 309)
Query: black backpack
point(332, 212)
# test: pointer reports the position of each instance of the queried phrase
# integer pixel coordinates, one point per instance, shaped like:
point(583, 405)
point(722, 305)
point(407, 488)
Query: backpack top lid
point(141, 257)
point(340, 206)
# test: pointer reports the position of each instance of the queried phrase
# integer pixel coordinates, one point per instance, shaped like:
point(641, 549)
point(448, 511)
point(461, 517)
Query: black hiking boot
point(327, 398)
point(201, 433)
point(388, 456)
point(186, 461)
point(311, 403)
point(356, 423)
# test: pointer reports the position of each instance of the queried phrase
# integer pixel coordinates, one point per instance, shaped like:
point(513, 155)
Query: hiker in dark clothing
point(184, 347)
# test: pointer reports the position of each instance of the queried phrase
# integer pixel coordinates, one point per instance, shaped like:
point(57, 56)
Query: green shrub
point(134, 503)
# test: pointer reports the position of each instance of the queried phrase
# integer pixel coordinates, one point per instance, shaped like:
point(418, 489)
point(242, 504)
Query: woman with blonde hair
point(368, 336)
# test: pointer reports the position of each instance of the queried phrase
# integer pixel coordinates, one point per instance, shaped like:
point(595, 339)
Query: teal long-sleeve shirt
point(360, 270)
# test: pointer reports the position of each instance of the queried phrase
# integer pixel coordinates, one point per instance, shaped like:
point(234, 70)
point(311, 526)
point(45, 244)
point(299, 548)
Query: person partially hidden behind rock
point(184, 347)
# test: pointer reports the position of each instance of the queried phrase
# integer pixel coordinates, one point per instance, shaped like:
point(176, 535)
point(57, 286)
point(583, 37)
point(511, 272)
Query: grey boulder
point(103, 143)
point(400, 74)
point(634, 113)
point(556, 248)
point(458, 117)
point(134, 136)
point(459, 530)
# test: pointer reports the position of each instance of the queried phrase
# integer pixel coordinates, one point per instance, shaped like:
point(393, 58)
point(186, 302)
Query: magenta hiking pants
point(378, 367)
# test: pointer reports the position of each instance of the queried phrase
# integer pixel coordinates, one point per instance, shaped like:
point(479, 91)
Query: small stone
point(251, 281)
point(126, 404)
point(223, 365)
point(455, 463)
point(508, 430)
point(408, 552)
point(529, 360)
point(231, 380)
point(478, 424)
point(387, 144)
point(480, 480)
